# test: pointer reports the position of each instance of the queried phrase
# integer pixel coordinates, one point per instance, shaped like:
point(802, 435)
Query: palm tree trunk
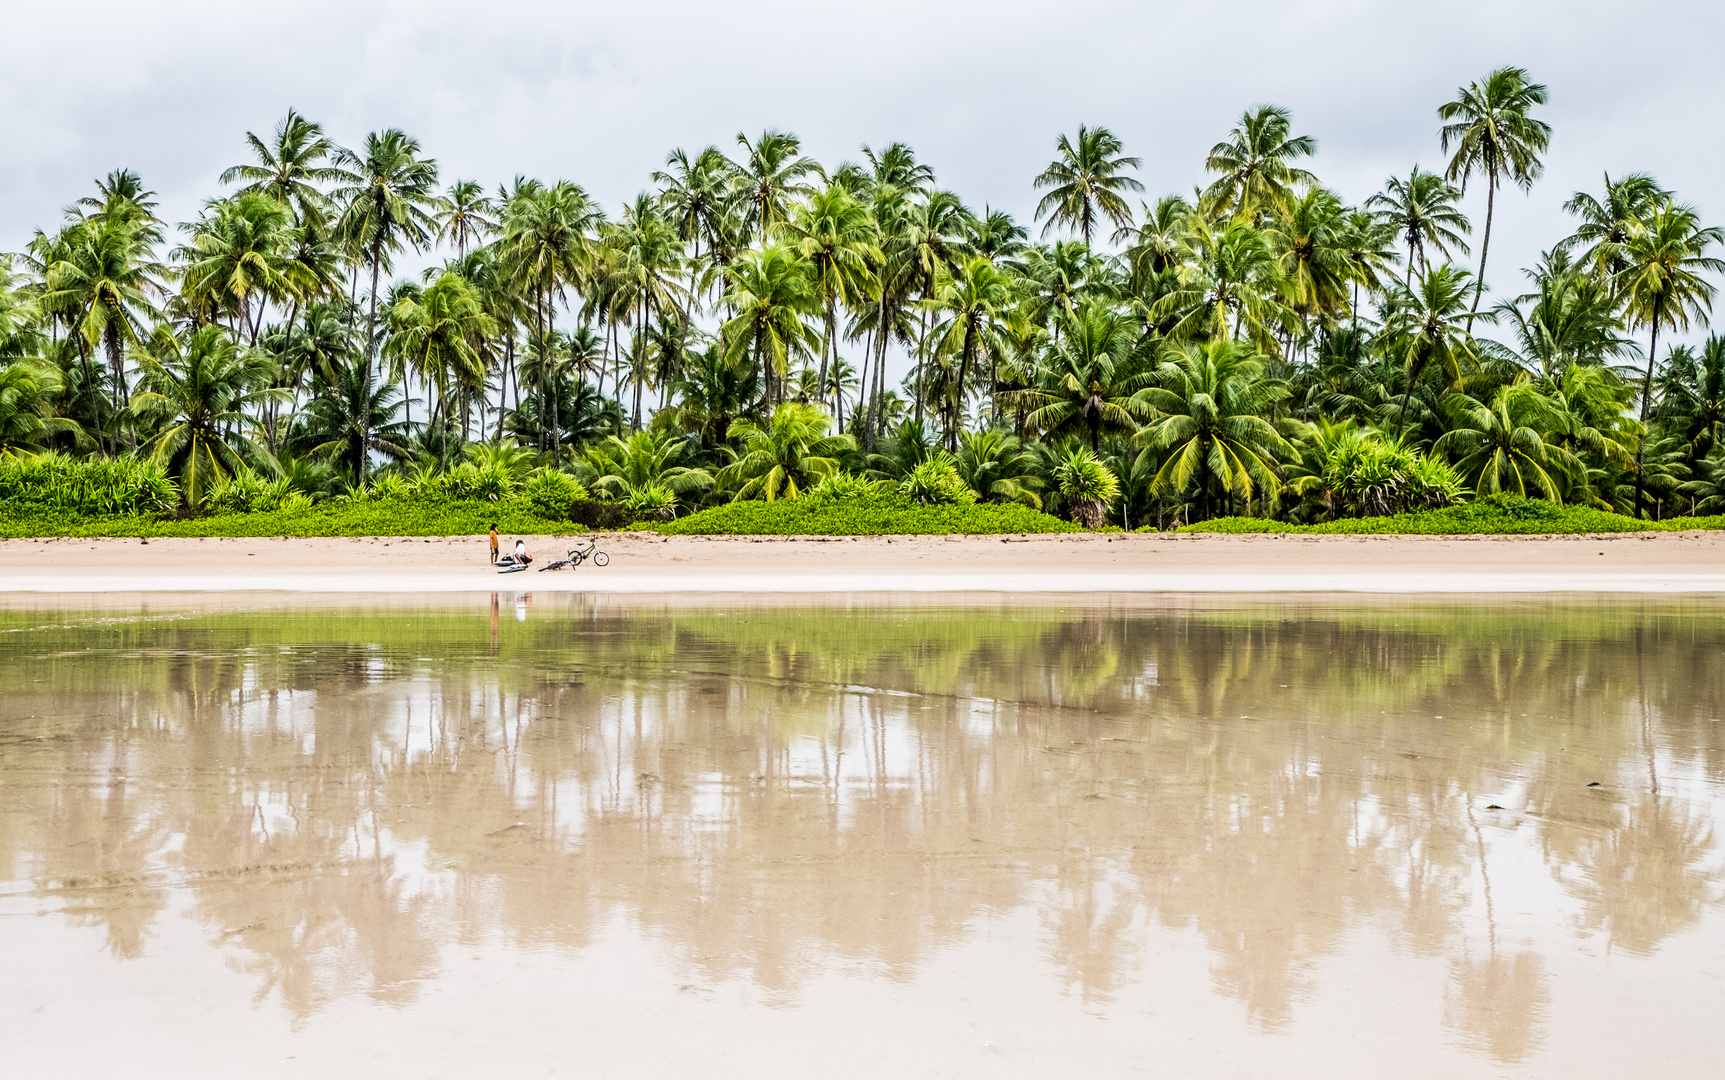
point(1484, 247)
point(1646, 411)
point(828, 347)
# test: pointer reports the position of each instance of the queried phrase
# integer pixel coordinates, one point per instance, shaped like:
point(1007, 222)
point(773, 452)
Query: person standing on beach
point(494, 543)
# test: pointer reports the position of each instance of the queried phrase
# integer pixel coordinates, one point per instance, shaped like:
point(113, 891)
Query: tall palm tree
point(207, 389)
point(1426, 330)
point(1226, 286)
point(696, 197)
point(389, 199)
point(1085, 182)
point(975, 298)
point(646, 274)
point(237, 253)
point(466, 215)
point(1315, 259)
point(290, 168)
point(1211, 428)
point(1607, 222)
point(444, 334)
point(546, 246)
point(97, 282)
point(1661, 285)
point(1256, 165)
point(770, 292)
point(772, 173)
point(1422, 210)
point(1494, 136)
point(834, 232)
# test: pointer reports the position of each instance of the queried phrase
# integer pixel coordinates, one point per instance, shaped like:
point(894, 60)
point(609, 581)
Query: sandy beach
point(1691, 562)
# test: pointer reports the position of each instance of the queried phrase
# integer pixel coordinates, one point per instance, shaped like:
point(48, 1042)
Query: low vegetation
point(866, 515)
point(1499, 516)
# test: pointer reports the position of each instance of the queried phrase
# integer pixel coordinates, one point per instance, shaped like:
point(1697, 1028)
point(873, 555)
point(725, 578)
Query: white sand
point(1645, 563)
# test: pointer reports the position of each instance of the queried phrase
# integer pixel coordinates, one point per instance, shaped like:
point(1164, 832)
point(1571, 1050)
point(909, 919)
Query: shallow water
point(558, 836)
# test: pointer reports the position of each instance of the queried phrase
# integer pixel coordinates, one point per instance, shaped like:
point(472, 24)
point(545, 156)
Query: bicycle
point(577, 556)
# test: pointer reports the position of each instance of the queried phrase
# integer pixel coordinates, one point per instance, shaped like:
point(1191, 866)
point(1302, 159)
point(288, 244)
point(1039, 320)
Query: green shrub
point(874, 515)
point(656, 502)
point(936, 482)
point(247, 492)
point(91, 485)
point(553, 493)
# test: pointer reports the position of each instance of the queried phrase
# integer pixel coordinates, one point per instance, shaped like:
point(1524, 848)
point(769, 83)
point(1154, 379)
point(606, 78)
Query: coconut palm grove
point(762, 328)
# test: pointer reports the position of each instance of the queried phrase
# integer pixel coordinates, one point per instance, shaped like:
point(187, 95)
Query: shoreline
point(1082, 563)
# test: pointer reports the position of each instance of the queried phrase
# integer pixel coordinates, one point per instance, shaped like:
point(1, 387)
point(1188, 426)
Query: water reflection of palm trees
point(768, 789)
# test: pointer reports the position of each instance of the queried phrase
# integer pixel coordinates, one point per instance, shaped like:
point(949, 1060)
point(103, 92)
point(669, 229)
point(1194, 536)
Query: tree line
point(1257, 345)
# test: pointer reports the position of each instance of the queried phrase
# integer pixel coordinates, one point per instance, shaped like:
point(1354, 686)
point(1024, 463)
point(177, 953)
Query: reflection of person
point(521, 555)
point(494, 543)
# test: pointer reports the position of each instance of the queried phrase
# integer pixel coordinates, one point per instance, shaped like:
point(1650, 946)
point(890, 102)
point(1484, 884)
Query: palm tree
point(1085, 381)
point(1086, 484)
point(710, 392)
point(998, 468)
point(1085, 183)
point(466, 216)
point(1226, 286)
point(1661, 286)
point(1422, 210)
point(772, 173)
point(237, 253)
point(835, 234)
point(1502, 447)
point(1607, 222)
point(696, 199)
point(772, 296)
point(121, 199)
point(1494, 136)
point(975, 297)
point(646, 276)
point(353, 416)
point(207, 390)
point(1212, 429)
point(1692, 396)
point(1256, 165)
point(289, 169)
point(1570, 319)
point(546, 246)
point(1426, 330)
point(787, 456)
point(389, 195)
point(27, 417)
point(1316, 265)
point(97, 283)
point(624, 468)
point(444, 334)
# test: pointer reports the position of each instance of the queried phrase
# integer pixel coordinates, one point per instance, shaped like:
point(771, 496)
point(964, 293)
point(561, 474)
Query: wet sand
point(1649, 562)
point(1411, 838)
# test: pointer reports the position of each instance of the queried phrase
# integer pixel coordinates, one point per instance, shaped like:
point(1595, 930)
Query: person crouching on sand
point(494, 543)
point(521, 555)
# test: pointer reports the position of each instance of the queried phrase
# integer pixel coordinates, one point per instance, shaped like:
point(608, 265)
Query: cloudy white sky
point(598, 92)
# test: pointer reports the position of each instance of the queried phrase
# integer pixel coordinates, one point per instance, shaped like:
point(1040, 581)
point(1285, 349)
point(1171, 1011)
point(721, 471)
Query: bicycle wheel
point(600, 558)
point(575, 558)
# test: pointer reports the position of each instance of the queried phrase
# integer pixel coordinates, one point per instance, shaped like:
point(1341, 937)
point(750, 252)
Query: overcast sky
point(599, 92)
